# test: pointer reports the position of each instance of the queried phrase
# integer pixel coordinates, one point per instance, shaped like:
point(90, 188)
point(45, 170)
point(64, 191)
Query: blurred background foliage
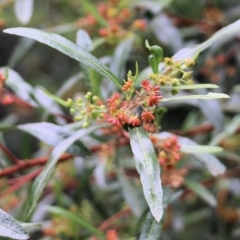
point(173, 25)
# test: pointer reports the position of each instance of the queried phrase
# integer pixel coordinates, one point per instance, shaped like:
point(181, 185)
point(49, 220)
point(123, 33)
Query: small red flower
point(114, 121)
point(111, 235)
point(113, 101)
point(139, 24)
point(146, 85)
point(153, 100)
point(147, 117)
point(134, 121)
point(103, 32)
point(122, 117)
point(150, 127)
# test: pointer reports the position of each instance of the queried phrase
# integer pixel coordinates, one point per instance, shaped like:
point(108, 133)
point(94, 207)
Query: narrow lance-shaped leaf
point(200, 149)
point(9, 227)
point(191, 86)
point(67, 47)
point(151, 228)
point(201, 191)
point(148, 169)
point(23, 10)
point(76, 218)
point(208, 96)
point(41, 181)
point(132, 194)
point(229, 130)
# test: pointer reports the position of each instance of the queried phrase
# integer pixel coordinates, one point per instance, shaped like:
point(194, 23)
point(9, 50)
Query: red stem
point(110, 221)
point(30, 163)
point(9, 154)
point(20, 182)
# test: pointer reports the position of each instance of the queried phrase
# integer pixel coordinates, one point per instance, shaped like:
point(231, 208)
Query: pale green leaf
point(9, 227)
point(200, 149)
point(223, 33)
point(76, 218)
point(42, 179)
point(208, 96)
point(148, 169)
point(201, 191)
point(229, 130)
point(191, 86)
point(23, 10)
point(67, 47)
point(120, 57)
point(151, 229)
point(132, 194)
point(83, 40)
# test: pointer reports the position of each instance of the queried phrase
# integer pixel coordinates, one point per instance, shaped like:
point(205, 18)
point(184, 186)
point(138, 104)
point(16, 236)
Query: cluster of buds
point(119, 20)
point(175, 74)
point(137, 109)
point(87, 108)
point(168, 151)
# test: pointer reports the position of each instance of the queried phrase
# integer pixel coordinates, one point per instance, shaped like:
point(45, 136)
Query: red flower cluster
point(153, 93)
point(169, 151)
point(119, 21)
point(127, 111)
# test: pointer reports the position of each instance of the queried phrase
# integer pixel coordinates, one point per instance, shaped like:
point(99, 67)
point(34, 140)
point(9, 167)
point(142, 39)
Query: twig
point(195, 130)
point(110, 221)
point(21, 181)
point(9, 154)
point(30, 163)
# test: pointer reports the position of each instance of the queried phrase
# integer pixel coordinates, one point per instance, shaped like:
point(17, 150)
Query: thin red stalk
point(9, 154)
point(195, 130)
point(30, 163)
point(110, 221)
point(21, 181)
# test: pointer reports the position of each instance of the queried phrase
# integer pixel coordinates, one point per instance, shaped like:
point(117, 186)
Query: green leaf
point(200, 149)
point(83, 40)
point(201, 191)
point(77, 219)
point(92, 80)
point(151, 229)
point(208, 96)
point(149, 170)
point(9, 227)
point(20, 51)
point(223, 33)
point(192, 86)
point(132, 194)
point(42, 179)
point(55, 98)
point(67, 47)
point(229, 130)
point(23, 10)
point(50, 134)
point(120, 57)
